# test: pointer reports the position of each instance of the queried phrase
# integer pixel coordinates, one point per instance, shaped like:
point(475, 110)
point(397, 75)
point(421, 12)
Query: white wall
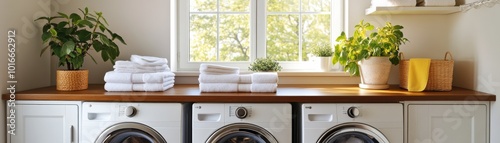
point(144, 25)
point(475, 46)
point(32, 71)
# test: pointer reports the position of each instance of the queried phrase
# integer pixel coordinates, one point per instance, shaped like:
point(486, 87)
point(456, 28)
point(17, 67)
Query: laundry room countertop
point(285, 93)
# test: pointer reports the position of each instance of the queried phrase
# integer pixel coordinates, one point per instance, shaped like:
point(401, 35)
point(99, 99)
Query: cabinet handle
point(71, 134)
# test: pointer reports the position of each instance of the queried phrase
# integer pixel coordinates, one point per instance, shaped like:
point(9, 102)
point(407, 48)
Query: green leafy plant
point(323, 51)
point(71, 37)
point(384, 42)
point(265, 65)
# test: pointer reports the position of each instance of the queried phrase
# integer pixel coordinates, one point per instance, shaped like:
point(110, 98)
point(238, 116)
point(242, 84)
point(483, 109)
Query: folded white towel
point(226, 78)
point(244, 87)
point(129, 64)
point(264, 87)
point(394, 2)
point(139, 87)
point(218, 87)
point(118, 77)
point(148, 60)
point(246, 78)
point(265, 77)
point(218, 69)
point(131, 70)
point(436, 3)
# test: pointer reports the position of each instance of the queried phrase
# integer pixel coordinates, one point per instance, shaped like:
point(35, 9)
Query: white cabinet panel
point(447, 124)
point(46, 124)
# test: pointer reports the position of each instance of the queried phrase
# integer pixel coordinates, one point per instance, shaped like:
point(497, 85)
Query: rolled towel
point(229, 78)
point(218, 87)
point(265, 77)
point(244, 87)
point(148, 60)
point(394, 2)
point(118, 77)
point(264, 87)
point(246, 78)
point(138, 87)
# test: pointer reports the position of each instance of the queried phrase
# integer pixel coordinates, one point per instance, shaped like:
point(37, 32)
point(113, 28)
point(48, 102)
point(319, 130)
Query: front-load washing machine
point(352, 123)
point(241, 123)
point(104, 122)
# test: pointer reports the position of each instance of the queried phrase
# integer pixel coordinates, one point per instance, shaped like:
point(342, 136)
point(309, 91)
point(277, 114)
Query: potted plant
point(265, 65)
point(370, 55)
point(71, 37)
point(323, 52)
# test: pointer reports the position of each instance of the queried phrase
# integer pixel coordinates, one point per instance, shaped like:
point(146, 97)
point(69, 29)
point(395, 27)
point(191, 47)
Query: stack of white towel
point(394, 3)
point(141, 73)
point(217, 78)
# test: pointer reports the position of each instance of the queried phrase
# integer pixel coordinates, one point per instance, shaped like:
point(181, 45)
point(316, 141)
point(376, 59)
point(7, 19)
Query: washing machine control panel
point(353, 112)
point(130, 111)
point(240, 112)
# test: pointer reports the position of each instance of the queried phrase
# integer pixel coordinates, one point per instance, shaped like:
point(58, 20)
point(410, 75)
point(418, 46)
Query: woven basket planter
point(71, 80)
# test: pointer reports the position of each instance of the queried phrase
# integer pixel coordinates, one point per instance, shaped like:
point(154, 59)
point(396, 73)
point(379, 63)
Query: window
point(236, 32)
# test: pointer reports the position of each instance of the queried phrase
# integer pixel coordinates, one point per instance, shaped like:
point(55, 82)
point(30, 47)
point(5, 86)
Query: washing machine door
point(241, 133)
point(130, 132)
point(352, 133)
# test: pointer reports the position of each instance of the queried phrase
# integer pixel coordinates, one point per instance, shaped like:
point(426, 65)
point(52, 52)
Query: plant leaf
point(75, 17)
point(83, 35)
point(120, 38)
point(68, 47)
point(53, 32)
point(105, 40)
point(104, 55)
point(97, 45)
point(102, 27)
point(63, 15)
point(46, 18)
point(46, 36)
point(87, 23)
point(92, 57)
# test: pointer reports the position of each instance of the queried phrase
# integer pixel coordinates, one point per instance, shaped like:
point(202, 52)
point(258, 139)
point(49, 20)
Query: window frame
point(180, 40)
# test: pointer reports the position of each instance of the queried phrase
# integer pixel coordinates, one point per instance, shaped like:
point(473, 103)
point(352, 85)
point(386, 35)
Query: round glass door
point(130, 133)
point(352, 133)
point(241, 133)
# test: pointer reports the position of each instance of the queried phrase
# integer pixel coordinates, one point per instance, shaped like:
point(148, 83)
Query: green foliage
point(265, 65)
point(384, 42)
point(322, 51)
point(74, 35)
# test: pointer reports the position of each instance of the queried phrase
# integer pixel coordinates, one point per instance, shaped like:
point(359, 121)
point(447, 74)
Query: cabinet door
point(447, 124)
point(45, 124)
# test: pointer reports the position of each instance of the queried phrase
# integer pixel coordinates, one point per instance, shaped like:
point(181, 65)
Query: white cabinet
point(45, 123)
point(447, 123)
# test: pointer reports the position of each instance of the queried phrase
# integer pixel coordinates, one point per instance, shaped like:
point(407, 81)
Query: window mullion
point(261, 17)
point(218, 30)
point(300, 30)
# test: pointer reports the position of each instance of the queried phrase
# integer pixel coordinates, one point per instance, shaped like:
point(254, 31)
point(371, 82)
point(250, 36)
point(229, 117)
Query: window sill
point(280, 74)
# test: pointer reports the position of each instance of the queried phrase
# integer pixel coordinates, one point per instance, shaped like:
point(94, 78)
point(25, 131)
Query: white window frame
point(180, 13)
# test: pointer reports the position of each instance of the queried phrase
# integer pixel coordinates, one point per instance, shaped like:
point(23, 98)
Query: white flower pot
point(325, 63)
point(374, 72)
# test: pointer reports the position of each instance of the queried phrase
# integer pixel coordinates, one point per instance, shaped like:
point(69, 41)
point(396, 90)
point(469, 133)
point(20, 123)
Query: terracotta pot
point(374, 72)
point(71, 80)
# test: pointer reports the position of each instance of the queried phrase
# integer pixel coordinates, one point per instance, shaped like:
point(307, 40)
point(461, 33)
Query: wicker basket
point(71, 80)
point(440, 73)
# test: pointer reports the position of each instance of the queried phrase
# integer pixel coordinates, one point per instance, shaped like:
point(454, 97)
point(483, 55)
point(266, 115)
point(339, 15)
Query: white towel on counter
point(265, 77)
point(132, 65)
point(227, 78)
point(246, 78)
point(436, 2)
point(394, 2)
point(244, 87)
point(148, 60)
point(218, 87)
point(218, 69)
point(119, 77)
point(138, 87)
point(134, 70)
point(264, 87)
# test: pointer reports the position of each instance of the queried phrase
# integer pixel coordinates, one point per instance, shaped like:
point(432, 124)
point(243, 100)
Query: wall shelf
point(412, 10)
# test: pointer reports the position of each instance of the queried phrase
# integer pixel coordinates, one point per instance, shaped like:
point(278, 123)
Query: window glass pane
point(282, 39)
point(235, 5)
point(283, 5)
point(203, 37)
point(316, 32)
point(203, 5)
point(316, 5)
point(234, 37)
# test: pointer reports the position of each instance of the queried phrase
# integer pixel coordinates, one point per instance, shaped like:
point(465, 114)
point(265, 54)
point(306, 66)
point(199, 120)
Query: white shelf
point(412, 10)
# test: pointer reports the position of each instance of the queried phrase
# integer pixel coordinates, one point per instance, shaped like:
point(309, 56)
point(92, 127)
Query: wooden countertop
point(285, 93)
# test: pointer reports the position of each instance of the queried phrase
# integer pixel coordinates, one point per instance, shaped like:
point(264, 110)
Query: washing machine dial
point(353, 112)
point(241, 112)
point(130, 111)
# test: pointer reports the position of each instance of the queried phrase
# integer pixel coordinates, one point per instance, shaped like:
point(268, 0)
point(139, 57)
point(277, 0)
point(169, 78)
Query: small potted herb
point(323, 53)
point(265, 65)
